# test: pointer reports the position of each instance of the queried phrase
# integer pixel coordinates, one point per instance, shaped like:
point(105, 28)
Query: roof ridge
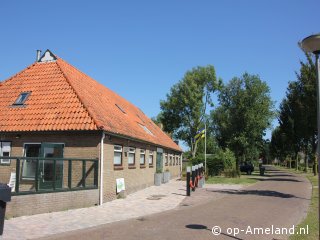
point(98, 125)
point(15, 75)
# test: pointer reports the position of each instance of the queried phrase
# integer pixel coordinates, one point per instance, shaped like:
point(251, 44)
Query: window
point(22, 98)
point(29, 166)
point(145, 129)
point(117, 158)
point(142, 157)
point(166, 159)
point(170, 162)
point(131, 156)
point(150, 157)
point(5, 150)
point(46, 167)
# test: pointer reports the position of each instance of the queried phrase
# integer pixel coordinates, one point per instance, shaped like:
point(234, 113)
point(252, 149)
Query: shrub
point(231, 173)
point(223, 161)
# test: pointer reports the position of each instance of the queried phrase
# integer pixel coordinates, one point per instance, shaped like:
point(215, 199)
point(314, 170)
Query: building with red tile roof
point(51, 109)
point(63, 98)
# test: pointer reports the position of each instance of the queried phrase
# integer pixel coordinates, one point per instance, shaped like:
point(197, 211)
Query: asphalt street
point(278, 200)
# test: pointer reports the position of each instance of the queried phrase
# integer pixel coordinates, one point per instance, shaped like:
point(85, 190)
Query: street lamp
point(311, 44)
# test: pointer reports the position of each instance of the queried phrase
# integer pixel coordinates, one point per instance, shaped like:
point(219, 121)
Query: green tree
point(297, 118)
point(184, 110)
point(244, 114)
point(280, 146)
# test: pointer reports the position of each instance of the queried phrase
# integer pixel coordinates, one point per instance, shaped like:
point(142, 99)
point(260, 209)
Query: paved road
point(280, 199)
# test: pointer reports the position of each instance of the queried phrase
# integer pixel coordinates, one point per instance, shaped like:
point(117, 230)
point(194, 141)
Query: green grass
point(312, 220)
point(244, 180)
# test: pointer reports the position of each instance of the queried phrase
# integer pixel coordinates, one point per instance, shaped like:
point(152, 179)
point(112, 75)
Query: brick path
point(280, 199)
point(145, 202)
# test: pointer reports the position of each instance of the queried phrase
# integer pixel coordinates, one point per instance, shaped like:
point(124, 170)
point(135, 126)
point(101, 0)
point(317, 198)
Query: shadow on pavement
point(266, 193)
point(179, 194)
point(197, 227)
point(276, 179)
point(203, 227)
point(274, 170)
point(281, 175)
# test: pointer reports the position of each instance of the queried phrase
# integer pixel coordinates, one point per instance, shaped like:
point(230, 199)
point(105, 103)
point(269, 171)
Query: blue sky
point(140, 49)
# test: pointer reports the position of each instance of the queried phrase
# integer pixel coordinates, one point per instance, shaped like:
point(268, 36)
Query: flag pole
point(205, 147)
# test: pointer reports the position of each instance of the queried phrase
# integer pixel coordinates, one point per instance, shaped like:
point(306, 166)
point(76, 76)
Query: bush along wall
point(223, 162)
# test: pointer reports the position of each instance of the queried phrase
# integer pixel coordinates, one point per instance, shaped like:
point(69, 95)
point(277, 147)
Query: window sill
point(24, 179)
point(118, 167)
point(150, 166)
point(142, 166)
point(132, 167)
point(5, 164)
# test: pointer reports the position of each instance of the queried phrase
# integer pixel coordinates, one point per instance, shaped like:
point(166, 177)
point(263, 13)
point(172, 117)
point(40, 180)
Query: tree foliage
point(244, 114)
point(297, 119)
point(184, 109)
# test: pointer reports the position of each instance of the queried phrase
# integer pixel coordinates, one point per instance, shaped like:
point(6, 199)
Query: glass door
point(48, 169)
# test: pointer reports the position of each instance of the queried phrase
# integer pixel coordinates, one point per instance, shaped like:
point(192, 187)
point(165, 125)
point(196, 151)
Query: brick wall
point(76, 145)
point(136, 177)
point(83, 145)
point(51, 202)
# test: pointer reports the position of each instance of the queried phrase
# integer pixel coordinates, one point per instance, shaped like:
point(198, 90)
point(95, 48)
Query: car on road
point(247, 167)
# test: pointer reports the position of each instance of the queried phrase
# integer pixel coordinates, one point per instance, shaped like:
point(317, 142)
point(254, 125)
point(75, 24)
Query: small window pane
point(118, 148)
point(117, 158)
point(150, 159)
point(131, 158)
point(5, 149)
point(142, 158)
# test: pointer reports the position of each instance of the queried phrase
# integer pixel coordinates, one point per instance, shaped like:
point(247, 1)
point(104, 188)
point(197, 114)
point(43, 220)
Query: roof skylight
point(22, 98)
point(146, 129)
point(120, 108)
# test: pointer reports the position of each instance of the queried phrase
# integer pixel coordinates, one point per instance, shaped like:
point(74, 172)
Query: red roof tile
point(63, 98)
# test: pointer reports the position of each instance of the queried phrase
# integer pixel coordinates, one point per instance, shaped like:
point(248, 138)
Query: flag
point(200, 134)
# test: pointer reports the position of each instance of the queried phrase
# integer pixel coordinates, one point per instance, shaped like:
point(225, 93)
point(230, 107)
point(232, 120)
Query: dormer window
point(22, 98)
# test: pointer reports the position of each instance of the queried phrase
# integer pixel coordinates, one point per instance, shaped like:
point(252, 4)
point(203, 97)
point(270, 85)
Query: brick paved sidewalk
point(144, 202)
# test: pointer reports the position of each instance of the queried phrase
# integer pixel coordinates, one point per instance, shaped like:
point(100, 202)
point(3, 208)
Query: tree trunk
point(315, 165)
point(306, 162)
point(194, 150)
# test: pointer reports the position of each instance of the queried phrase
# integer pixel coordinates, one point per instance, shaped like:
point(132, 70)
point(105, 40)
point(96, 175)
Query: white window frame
point(142, 157)
point(119, 150)
point(5, 161)
point(24, 161)
point(131, 151)
point(151, 155)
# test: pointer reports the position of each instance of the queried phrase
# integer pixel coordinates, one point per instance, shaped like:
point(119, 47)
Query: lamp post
point(311, 44)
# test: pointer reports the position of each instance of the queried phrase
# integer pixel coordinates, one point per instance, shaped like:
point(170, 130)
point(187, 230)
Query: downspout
point(181, 165)
point(101, 169)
